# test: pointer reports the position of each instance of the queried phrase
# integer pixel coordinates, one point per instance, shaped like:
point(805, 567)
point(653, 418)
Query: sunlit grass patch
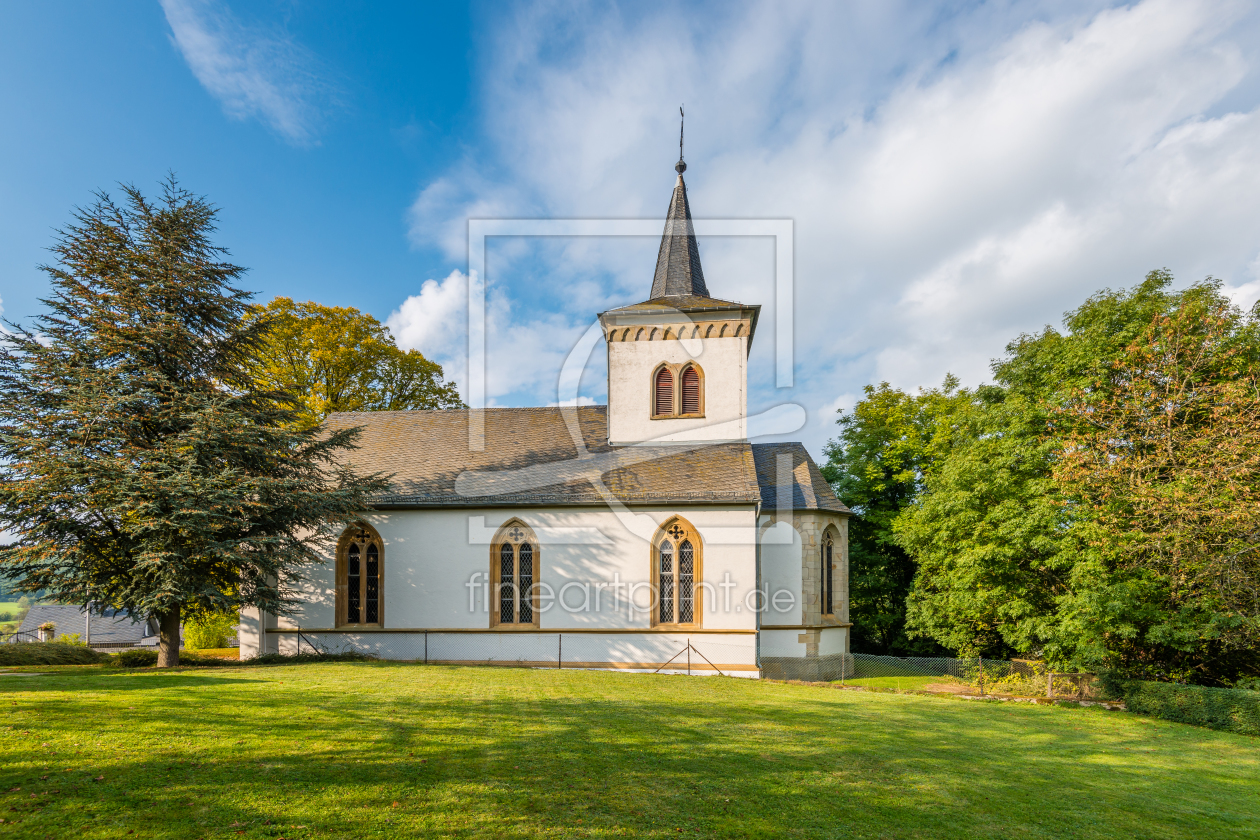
point(384, 749)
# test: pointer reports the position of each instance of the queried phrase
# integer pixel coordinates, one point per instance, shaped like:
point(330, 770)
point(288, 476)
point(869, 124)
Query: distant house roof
point(530, 456)
point(108, 627)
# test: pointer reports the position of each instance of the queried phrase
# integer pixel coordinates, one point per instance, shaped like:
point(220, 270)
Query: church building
point(647, 532)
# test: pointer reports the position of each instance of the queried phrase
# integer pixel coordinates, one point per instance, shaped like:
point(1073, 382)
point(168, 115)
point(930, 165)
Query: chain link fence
point(670, 654)
point(631, 652)
point(1018, 677)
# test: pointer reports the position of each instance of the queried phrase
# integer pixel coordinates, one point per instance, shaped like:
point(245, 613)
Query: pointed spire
point(678, 269)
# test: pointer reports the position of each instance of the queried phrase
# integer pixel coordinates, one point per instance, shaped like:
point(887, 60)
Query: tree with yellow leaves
point(336, 358)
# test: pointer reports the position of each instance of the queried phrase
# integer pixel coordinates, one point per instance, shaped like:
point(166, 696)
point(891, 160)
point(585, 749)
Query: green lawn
point(396, 750)
point(899, 683)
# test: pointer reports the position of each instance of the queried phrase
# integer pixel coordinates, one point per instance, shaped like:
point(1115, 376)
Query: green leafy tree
point(140, 465)
point(886, 448)
point(336, 358)
point(1027, 527)
point(989, 534)
point(1161, 454)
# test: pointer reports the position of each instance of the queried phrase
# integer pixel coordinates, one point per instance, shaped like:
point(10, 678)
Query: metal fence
point(19, 637)
point(670, 654)
point(538, 650)
point(1018, 677)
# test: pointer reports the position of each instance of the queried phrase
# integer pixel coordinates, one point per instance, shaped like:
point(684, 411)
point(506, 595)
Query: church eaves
point(678, 269)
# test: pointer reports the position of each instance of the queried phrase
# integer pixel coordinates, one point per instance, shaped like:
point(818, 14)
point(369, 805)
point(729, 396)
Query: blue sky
point(956, 173)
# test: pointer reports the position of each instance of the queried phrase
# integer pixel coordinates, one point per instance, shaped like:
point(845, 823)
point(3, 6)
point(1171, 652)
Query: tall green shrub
point(212, 630)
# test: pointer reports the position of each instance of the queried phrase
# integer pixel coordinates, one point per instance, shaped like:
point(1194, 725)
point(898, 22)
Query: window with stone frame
point(663, 392)
point(360, 578)
point(676, 575)
point(828, 575)
point(514, 565)
point(691, 391)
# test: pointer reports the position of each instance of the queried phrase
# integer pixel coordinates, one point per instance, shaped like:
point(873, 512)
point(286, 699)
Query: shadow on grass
point(466, 751)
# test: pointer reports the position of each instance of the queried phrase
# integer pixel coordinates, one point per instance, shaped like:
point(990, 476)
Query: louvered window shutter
point(690, 391)
point(664, 392)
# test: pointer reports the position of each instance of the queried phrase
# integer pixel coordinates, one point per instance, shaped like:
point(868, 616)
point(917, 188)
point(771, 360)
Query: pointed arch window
point(691, 391)
point(663, 393)
point(360, 578)
point(676, 575)
point(828, 576)
point(514, 576)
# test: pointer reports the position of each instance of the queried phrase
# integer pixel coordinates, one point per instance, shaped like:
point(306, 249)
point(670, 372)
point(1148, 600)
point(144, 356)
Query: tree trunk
point(168, 639)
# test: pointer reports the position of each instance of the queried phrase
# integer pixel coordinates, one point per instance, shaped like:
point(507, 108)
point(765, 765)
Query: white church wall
point(780, 547)
point(437, 563)
point(630, 368)
point(727, 652)
point(785, 643)
point(833, 640)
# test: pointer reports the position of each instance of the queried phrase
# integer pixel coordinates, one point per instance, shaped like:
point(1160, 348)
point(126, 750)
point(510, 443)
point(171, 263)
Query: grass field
point(369, 750)
point(899, 683)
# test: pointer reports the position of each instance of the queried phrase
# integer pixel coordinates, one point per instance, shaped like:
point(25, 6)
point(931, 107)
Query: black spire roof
point(678, 269)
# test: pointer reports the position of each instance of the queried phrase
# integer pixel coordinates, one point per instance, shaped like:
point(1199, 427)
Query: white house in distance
point(597, 536)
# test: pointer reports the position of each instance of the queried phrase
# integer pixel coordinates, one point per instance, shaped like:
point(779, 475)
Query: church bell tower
point(678, 361)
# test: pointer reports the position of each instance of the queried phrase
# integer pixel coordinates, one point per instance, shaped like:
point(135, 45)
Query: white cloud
point(523, 354)
point(434, 321)
point(251, 72)
point(956, 178)
point(578, 401)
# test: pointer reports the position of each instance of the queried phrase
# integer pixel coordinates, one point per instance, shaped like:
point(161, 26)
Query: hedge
point(1227, 709)
point(146, 657)
point(49, 653)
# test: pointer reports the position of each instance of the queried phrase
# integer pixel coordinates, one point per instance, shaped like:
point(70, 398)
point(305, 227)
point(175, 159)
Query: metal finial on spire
point(680, 167)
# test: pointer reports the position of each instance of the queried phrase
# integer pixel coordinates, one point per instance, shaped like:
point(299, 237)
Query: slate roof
point(531, 457)
point(810, 491)
point(678, 270)
point(697, 304)
point(110, 627)
point(685, 303)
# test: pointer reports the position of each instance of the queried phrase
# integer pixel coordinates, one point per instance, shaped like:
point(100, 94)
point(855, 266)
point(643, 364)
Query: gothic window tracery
point(676, 570)
point(514, 576)
point(360, 577)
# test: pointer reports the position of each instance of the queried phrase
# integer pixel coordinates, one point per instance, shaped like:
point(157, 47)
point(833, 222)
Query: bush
point(136, 658)
point(148, 657)
point(49, 653)
point(205, 632)
point(6, 616)
point(1227, 709)
point(304, 658)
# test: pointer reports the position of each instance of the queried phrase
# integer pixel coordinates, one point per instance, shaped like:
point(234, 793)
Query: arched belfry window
point(828, 574)
point(691, 392)
point(676, 575)
point(360, 578)
point(685, 400)
point(514, 557)
point(663, 393)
